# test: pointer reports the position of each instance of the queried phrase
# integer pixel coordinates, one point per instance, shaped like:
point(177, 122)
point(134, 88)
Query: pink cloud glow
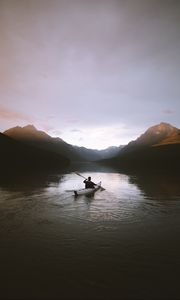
point(11, 115)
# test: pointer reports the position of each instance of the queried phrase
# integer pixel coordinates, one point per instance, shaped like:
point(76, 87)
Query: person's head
point(89, 178)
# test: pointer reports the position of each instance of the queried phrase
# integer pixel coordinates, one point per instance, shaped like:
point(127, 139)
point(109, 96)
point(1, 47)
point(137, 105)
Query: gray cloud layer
point(91, 63)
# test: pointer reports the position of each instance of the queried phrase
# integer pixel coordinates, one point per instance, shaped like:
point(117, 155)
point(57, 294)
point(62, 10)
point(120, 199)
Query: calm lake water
point(121, 243)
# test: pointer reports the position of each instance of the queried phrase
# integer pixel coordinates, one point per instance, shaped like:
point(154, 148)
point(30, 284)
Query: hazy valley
point(29, 148)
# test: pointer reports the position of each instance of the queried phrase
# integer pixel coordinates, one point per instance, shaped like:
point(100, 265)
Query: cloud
point(100, 137)
point(84, 65)
point(56, 133)
point(76, 130)
point(80, 139)
point(168, 111)
point(71, 120)
point(12, 115)
point(47, 127)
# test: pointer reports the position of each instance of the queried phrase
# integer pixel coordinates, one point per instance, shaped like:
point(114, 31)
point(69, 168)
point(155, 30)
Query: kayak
point(89, 191)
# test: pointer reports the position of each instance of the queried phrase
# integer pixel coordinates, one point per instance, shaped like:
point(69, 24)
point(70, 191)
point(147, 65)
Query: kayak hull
point(90, 191)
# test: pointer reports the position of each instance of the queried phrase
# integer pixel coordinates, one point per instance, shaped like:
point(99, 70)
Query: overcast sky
point(93, 72)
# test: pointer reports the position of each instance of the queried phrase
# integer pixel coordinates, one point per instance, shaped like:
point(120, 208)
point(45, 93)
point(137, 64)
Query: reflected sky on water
point(123, 241)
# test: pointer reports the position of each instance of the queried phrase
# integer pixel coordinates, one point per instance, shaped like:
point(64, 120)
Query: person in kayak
point(89, 184)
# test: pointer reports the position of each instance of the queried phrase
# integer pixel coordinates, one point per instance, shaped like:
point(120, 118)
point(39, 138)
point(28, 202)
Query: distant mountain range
point(157, 148)
point(17, 156)
point(31, 136)
point(29, 148)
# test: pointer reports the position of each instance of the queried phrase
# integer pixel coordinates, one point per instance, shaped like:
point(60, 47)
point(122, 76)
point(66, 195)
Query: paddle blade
point(80, 175)
point(102, 189)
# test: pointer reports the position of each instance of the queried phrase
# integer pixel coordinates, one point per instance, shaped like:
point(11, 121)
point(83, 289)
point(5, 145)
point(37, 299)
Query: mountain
point(31, 136)
point(28, 132)
point(161, 134)
point(17, 156)
point(94, 154)
point(158, 147)
point(110, 151)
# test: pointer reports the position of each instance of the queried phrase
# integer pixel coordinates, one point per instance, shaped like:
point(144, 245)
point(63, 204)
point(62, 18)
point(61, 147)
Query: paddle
point(102, 189)
point(80, 175)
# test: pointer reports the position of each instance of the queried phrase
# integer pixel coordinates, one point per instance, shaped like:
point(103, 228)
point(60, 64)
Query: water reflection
point(31, 181)
point(88, 167)
point(120, 243)
point(157, 185)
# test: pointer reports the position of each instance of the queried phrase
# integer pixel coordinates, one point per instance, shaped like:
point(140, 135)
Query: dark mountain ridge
point(157, 148)
point(31, 136)
point(94, 154)
point(17, 156)
point(156, 135)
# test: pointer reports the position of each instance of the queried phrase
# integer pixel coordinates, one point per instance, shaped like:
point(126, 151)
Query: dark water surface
point(122, 243)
